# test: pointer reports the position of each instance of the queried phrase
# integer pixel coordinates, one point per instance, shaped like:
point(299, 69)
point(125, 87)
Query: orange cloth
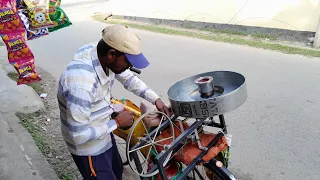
point(191, 150)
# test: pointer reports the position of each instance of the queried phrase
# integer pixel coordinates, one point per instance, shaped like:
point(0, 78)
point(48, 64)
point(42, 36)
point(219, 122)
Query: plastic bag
point(38, 13)
point(57, 16)
point(32, 33)
point(151, 120)
point(17, 46)
point(9, 19)
point(26, 70)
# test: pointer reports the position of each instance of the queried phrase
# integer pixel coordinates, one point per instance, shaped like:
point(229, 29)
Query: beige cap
point(126, 41)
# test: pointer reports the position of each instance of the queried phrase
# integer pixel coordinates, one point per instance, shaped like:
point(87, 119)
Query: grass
point(258, 42)
point(239, 33)
point(35, 85)
point(34, 130)
point(26, 120)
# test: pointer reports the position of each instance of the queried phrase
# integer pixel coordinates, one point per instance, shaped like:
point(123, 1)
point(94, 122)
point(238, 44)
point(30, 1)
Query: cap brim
point(137, 61)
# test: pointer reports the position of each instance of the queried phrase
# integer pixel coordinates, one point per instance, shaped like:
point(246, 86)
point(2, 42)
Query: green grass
point(239, 33)
point(34, 130)
point(35, 85)
point(26, 120)
point(257, 42)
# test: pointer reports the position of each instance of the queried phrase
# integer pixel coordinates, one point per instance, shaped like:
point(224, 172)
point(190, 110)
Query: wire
point(238, 11)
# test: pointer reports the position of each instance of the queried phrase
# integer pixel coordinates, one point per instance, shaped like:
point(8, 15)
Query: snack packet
point(32, 33)
point(16, 45)
point(38, 13)
point(8, 3)
point(58, 16)
point(36, 33)
point(58, 3)
point(21, 5)
point(26, 70)
point(9, 19)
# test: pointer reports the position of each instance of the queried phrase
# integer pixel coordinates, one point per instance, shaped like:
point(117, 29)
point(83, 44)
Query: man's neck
point(105, 69)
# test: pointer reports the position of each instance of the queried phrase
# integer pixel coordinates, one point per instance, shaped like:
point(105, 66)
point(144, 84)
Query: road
point(276, 133)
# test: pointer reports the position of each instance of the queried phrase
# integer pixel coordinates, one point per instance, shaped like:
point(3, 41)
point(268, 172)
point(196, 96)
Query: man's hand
point(124, 119)
point(162, 107)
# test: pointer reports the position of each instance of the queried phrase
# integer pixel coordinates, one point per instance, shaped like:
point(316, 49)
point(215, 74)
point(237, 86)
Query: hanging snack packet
point(9, 19)
point(21, 5)
point(58, 2)
point(8, 3)
point(32, 33)
point(26, 70)
point(16, 45)
point(36, 33)
point(58, 16)
point(38, 13)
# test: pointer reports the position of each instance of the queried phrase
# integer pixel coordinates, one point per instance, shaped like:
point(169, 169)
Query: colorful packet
point(9, 20)
point(32, 33)
point(58, 16)
point(58, 2)
point(17, 46)
point(27, 72)
point(8, 3)
point(38, 13)
point(36, 33)
point(21, 5)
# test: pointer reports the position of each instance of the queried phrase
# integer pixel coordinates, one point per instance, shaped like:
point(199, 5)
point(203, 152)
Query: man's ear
point(111, 54)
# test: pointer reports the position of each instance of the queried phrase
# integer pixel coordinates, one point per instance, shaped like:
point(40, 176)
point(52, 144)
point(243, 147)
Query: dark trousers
point(106, 166)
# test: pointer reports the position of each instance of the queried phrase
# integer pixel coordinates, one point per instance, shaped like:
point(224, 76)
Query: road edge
point(32, 154)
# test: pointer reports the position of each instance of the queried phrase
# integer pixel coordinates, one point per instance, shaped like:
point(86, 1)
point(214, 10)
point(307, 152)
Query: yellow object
point(135, 110)
point(139, 130)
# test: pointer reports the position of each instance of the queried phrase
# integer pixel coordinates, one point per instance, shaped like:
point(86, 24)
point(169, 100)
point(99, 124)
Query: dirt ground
point(49, 122)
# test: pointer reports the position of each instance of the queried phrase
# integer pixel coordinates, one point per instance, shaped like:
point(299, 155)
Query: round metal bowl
point(230, 93)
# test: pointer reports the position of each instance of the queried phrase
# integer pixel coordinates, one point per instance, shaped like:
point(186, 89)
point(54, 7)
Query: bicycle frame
point(215, 166)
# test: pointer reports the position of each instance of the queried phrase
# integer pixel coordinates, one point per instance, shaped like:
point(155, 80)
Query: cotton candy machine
point(208, 94)
point(200, 97)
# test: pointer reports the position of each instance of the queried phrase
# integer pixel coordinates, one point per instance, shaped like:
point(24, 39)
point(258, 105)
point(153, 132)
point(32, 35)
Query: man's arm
point(133, 84)
point(79, 102)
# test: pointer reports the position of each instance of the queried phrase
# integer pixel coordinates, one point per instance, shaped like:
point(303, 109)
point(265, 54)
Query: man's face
point(119, 62)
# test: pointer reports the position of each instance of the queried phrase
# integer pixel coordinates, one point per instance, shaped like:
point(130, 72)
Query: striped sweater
point(84, 102)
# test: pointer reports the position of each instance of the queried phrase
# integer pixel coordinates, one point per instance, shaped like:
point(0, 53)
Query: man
point(84, 100)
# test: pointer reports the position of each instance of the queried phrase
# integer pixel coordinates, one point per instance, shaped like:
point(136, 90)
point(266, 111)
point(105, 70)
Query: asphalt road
point(276, 133)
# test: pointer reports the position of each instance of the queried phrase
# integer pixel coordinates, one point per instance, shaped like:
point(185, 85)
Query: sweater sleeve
point(135, 85)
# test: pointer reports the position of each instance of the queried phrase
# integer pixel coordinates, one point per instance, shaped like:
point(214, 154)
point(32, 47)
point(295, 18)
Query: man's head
point(119, 49)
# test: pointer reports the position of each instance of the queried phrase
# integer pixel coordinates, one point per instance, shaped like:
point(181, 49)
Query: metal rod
point(136, 161)
point(199, 174)
point(222, 172)
point(144, 140)
point(154, 168)
point(213, 124)
point(194, 176)
point(174, 146)
point(198, 158)
point(223, 124)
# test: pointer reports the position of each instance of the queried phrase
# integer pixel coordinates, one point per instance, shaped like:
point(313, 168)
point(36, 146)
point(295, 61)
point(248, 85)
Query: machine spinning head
point(205, 85)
